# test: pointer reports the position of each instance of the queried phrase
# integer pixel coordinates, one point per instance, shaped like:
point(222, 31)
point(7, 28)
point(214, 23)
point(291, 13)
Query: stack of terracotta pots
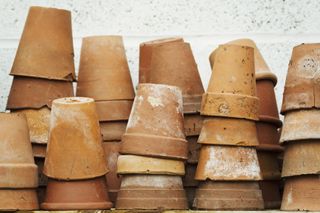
point(267, 129)
point(75, 163)
point(104, 76)
point(301, 130)
point(154, 149)
point(170, 61)
point(228, 166)
point(43, 70)
point(19, 174)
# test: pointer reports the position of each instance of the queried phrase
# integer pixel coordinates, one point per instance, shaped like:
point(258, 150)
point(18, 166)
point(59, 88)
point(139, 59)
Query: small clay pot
point(104, 69)
point(114, 110)
point(49, 28)
point(271, 193)
point(301, 158)
point(132, 164)
point(36, 93)
point(228, 131)
point(268, 137)
point(18, 199)
point(192, 124)
point(228, 163)
point(39, 150)
point(74, 141)
point(79, 194)
point(228, 195)
point(232, 86)
point(194, 149)
point(113, 130)
point(302, 85)
point(155, 127)
point(268, 162)
point(188, 179)
point(301, 193)
point(151, 192)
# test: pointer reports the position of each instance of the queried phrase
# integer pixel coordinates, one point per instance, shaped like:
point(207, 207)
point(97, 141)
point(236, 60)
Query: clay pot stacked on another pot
point(75, 163)
point(19, 174)
point(228, 166)
point(153, 151)
point(104, 76)
point(301, 130)
point(170, 61)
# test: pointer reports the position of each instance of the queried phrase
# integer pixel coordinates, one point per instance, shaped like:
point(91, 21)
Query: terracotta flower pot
point(228, 131)
point(74, 141)
point(301, 193)
point(301, 158)
point(271, 193)
point(151, 192)
point(194, 150)
point(228, 163)
point(18, 199)
point(300, 125)
point(78, 194)
point(172, 63)
point(268, 137)
point(192, 124)
point(36, 93)
point(302, 85)
point(104, 69)
point(232, 87)
point(112, 130)
point(114, 110)
point(132, 164)
point(220, 195)
point(49, 28)
point(188, 179)
point(268, 162)
point(155, 127)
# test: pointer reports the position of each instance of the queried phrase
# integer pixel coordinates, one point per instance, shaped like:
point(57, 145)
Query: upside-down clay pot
point(271, 193)
point(49, 28)
point(228, 163)
point(74, 141)
point(104, 69)
point(302, 85)
point(232, 87)
point(301, 193)
point(112, 130)
point(155, 126)
point(268, 137)
point(228, 195)
point(151, 192)
point(77, 194)
point(268, 162)
point(192, 124)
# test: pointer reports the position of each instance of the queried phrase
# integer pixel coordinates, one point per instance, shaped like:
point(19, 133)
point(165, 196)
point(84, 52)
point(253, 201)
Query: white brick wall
point(276, 26)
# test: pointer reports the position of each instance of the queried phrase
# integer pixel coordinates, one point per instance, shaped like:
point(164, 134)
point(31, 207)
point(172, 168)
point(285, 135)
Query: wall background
point(275, 25)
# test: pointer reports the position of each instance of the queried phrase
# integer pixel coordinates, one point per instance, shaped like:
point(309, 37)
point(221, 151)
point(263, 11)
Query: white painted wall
point(276, 26)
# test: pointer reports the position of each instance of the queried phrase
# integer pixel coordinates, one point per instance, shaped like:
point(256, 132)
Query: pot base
point(18, 199)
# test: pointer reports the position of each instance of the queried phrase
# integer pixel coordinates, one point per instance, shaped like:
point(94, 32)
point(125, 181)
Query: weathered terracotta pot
point(301, 125)
point(132, 164)
point(226, 195)
point(228, 163)
point(114, 110)
point(18, 199)
point(301, 193)
point(49, 28)
point(39, 150)
point(228, 131)
point(194, 150)
point(172, 63)
point(232, 87)
point(74, 141)
point(188, 179)
point(268, 137)
point(155, 127)
point(112, 130)
point(302, 85)
point(151, 192)
point(192, 124)
point(36, 93)
point(104, 69)
point(301, 158)
point(78, 194)
point(271, 193)
point(268, 162)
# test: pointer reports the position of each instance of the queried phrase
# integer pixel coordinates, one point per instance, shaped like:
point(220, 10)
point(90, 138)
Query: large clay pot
point(114, 110)
point(302, 85)
point(155, 127)
point(224, 195)
point(112, 130)
point(76, 194)
point(268, 162)
point(192, 124)
point(74, 141)
point(45, 49)
point(268, 137)
point(271, 193)
point(151, 192)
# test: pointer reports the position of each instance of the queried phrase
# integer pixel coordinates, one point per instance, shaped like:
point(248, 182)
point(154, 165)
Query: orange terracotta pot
point(302, 85)
point(49, 28)
point(74, 141)
point(232, 87)
point(112, 130)
point(228, 131)
point(192, 124)
point(268, 162)
point(271, 194)
point(301, 193)
point(188, 179)
point(151, 192)
point(79, 194)
point(194, 150)
point(18, 199)
point(155, 127)
point(104, 69)
point(268, 137)
point(114, 110)
point(228, 163)
point(220, 195)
